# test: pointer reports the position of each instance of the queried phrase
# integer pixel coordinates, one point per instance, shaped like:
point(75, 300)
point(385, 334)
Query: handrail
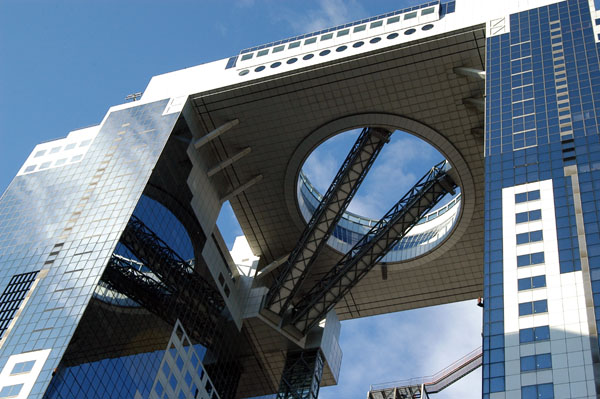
point(435, 378)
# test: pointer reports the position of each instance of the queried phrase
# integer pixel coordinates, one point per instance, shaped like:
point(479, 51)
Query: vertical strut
point(325, 218)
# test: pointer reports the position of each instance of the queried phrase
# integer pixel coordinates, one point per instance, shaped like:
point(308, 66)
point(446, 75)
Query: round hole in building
point(324, 53)
point(375, 40)
point(427, 27)
point(244, 72)
point(358, 44)
point(410, 31)
point(375, 195)
point(308, 57)
point(291, 60)
point(341, 48)
point(392, 36)
point(260, 68)
point(275, 64)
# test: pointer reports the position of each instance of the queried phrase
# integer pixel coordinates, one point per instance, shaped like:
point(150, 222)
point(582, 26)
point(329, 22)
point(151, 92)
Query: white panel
point(28, 378)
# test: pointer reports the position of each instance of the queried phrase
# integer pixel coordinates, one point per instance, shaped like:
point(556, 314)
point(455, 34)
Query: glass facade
point(542, 99)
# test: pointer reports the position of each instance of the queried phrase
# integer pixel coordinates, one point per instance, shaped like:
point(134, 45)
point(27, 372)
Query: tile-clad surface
point(278, 115)
point(67, 220)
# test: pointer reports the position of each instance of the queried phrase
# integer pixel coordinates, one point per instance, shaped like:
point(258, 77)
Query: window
point(343, 32)
point(530, 236)
point(54, 150)
point(23, 367)
point(527, 308)
point(39, 153)
point(45, 165)
point(530, 259)
point(30, 168)
point(428, 11)
point(327, 36)
point(61, 162)
point(376, 24)
point(541, 333)
point(294, 45)
point(410, 15)
point(393, 20)
point(70, 146)
point(529, 283)
point(85, 142)
point(247, 56)
point(310, 41)
point(359, 28)
point(541, 391)
point(528, 196)
point(536, 362)
point(278, 49)
point(529, 216)
point(262, 53)
point(10, 391)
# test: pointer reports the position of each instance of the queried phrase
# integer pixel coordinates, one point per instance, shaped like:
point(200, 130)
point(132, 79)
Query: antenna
point(134, 96)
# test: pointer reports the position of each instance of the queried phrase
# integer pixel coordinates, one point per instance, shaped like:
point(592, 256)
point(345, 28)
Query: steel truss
point(169, 267)
point(302, 374)
point(373, 246)
point(123, 276)
point(325, 218)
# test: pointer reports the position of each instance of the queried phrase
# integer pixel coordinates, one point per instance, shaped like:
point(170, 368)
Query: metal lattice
point(373, 246)
point(326, 216)
point(302, 375)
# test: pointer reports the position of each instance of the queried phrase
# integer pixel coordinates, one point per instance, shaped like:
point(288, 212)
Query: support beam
point(369, 250)
point(223, 164)
point(215, 133)
point(302, 375)
point(326, 217)
point(470, 72)
point(237, 191)
point(271, 266)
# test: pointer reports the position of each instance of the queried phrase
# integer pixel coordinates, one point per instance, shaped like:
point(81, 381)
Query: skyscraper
point(116, 283)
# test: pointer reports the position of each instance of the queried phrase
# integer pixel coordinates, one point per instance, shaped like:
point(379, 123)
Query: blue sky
point(64, 62)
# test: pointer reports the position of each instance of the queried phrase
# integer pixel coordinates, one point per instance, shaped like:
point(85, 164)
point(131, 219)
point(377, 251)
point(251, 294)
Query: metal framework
point(325, 218)
point(301, 376)
point(373, 246)
point(169, 267)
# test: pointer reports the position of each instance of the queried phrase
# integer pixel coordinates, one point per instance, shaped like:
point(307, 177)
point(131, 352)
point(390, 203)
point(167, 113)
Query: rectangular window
point(393, 20)
point(262, 53)
point(247, 56)
point(529, 216)
point(540, 391)
point(528, 196)
point(10, 391)
point(359, 28)
point(278, 49)
point(39, 153)
point(376, 24)
point(327, 36)
point(530, 236)
point(428, 11)
point(529, 283)
point(530, 259)
point(70, 146)
point(535, 307)
point(410, 15)
point(23, 367)
point(294, 45)
point(536, 362)
point(310, 41)
point(30, 168)
point(541, 333)
point(343, 32)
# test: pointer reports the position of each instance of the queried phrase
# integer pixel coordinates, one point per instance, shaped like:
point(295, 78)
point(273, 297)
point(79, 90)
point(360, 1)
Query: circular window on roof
point(358, 44)
point(392, 36)
point(292, 60)
point(324, 53)
point(244, 72)
point(275, 64)
point(427, 27)
point(260, 68)
point(410, 31)
point(375, 40)
point(341, 48)
point(308, 57)
point(375, 196)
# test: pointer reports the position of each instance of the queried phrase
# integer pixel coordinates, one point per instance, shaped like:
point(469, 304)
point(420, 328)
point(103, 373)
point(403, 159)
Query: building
point(116, 282)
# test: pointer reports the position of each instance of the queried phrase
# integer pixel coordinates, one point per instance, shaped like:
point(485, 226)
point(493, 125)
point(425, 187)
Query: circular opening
point(392, 36)
point(292, 60)
point(275, 64)
point(403, 161)
point(324, 53)
point(244, 72)
point(375, 40)
point(427, 27)
point(410, 31)
point(308, 57)
point(341, 48)
point(358, 44)
point(260, 68)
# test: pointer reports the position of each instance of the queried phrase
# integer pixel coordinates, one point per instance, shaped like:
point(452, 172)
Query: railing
point(440, 380)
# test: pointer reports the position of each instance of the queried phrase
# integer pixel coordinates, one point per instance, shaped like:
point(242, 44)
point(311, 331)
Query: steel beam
point(301, 375)
point(215, 133)
point(373, 246)
point(325, 218)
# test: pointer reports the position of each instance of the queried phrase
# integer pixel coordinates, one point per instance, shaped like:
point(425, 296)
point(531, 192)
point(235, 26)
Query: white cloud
point(328, 13)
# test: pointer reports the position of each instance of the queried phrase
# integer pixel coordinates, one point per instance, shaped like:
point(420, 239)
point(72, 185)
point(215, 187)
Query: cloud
point(328, 13)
